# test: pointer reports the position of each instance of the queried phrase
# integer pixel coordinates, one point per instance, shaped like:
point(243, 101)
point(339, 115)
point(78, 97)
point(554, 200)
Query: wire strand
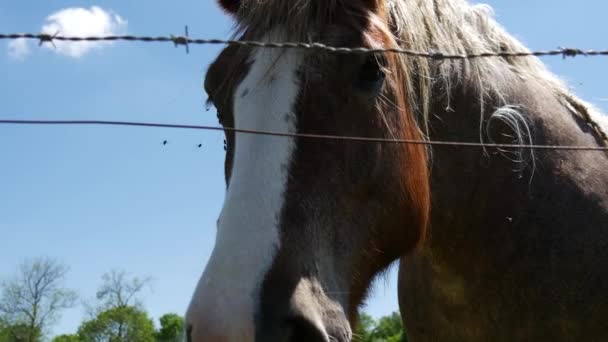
point(303, 135)
point(185, 40)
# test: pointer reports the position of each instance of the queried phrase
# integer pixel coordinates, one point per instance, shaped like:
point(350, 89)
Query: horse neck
point(479, 187)
point(506, 241)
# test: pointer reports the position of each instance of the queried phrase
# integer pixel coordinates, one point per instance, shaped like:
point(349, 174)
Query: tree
point(117, 291)
point(390, 329)
point(171, 328)
point(119, 315)
point(386, 329)
point(4, 333)
point(32, 301)
point(364, 328)
point(18, 333)
point(67, 338)
point(123, 324)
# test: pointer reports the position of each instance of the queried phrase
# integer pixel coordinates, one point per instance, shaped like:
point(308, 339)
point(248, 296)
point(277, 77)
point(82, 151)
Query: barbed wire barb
point(48, 38)
point(570, 52)
point(182, 40)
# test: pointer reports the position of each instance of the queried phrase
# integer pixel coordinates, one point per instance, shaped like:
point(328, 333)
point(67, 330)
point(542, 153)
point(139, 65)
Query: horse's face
point(307, 223)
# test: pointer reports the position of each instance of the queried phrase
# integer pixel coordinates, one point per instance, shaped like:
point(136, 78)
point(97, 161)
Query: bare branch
point(36, 296)
point(118, 291)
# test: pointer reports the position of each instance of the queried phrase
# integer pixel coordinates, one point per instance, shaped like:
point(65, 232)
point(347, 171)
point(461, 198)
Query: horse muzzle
point(304, 315)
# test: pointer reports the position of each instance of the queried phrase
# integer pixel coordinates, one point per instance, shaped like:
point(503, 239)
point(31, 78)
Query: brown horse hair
point(413, 159)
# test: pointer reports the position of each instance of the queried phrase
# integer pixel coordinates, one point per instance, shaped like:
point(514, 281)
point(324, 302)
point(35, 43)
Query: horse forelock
point(303, 17)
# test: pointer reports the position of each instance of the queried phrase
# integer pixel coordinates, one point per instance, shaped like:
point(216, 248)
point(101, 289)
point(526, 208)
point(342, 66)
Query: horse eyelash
point(209, 103)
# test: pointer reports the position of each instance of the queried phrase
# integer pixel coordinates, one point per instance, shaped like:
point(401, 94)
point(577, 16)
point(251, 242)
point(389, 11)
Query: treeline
point(32, 301)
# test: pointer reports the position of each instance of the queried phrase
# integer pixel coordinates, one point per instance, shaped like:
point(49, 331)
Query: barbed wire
point(186, 41)
point(303, 135)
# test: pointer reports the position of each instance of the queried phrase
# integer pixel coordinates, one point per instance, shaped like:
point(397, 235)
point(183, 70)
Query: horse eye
point(371, 74)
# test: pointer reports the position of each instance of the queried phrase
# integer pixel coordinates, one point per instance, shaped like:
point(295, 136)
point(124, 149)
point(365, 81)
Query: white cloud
point(82, 22)
point(75, 21)
point(18, 49)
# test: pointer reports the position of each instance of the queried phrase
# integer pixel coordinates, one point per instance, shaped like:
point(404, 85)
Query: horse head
point(308, 223)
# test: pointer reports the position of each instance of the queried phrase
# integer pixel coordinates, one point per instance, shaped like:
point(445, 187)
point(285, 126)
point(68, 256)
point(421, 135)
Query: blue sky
point(102, 198)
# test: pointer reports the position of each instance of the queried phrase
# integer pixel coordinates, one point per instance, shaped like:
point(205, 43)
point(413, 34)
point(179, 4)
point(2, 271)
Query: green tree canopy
point(386, 329)
point(121, 324)
point(20, 332)
point(171, 327)
point(4, 334)
point(362, 332)
point(67, 338)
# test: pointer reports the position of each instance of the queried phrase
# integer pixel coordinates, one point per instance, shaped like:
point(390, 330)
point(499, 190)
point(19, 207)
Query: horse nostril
point(189, 333)
point(305, 330)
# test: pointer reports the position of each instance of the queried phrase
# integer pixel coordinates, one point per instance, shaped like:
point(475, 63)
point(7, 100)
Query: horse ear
point(231, 6)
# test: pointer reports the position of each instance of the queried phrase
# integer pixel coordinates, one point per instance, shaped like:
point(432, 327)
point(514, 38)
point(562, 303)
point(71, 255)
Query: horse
point(494, 244)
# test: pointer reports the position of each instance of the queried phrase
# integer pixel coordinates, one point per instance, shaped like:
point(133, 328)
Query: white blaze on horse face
point(248, 231)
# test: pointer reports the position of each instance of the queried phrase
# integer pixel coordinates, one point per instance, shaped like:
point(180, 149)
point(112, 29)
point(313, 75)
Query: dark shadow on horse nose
point(330, 327)
point(189, 333)
point(294, 308)
point(304, 330)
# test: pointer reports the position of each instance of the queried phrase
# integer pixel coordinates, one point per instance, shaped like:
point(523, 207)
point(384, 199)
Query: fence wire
point(303, 135)
point(186, 41)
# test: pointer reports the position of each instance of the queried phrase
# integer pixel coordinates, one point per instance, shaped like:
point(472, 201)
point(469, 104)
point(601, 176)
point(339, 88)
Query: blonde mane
point(457, 27)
